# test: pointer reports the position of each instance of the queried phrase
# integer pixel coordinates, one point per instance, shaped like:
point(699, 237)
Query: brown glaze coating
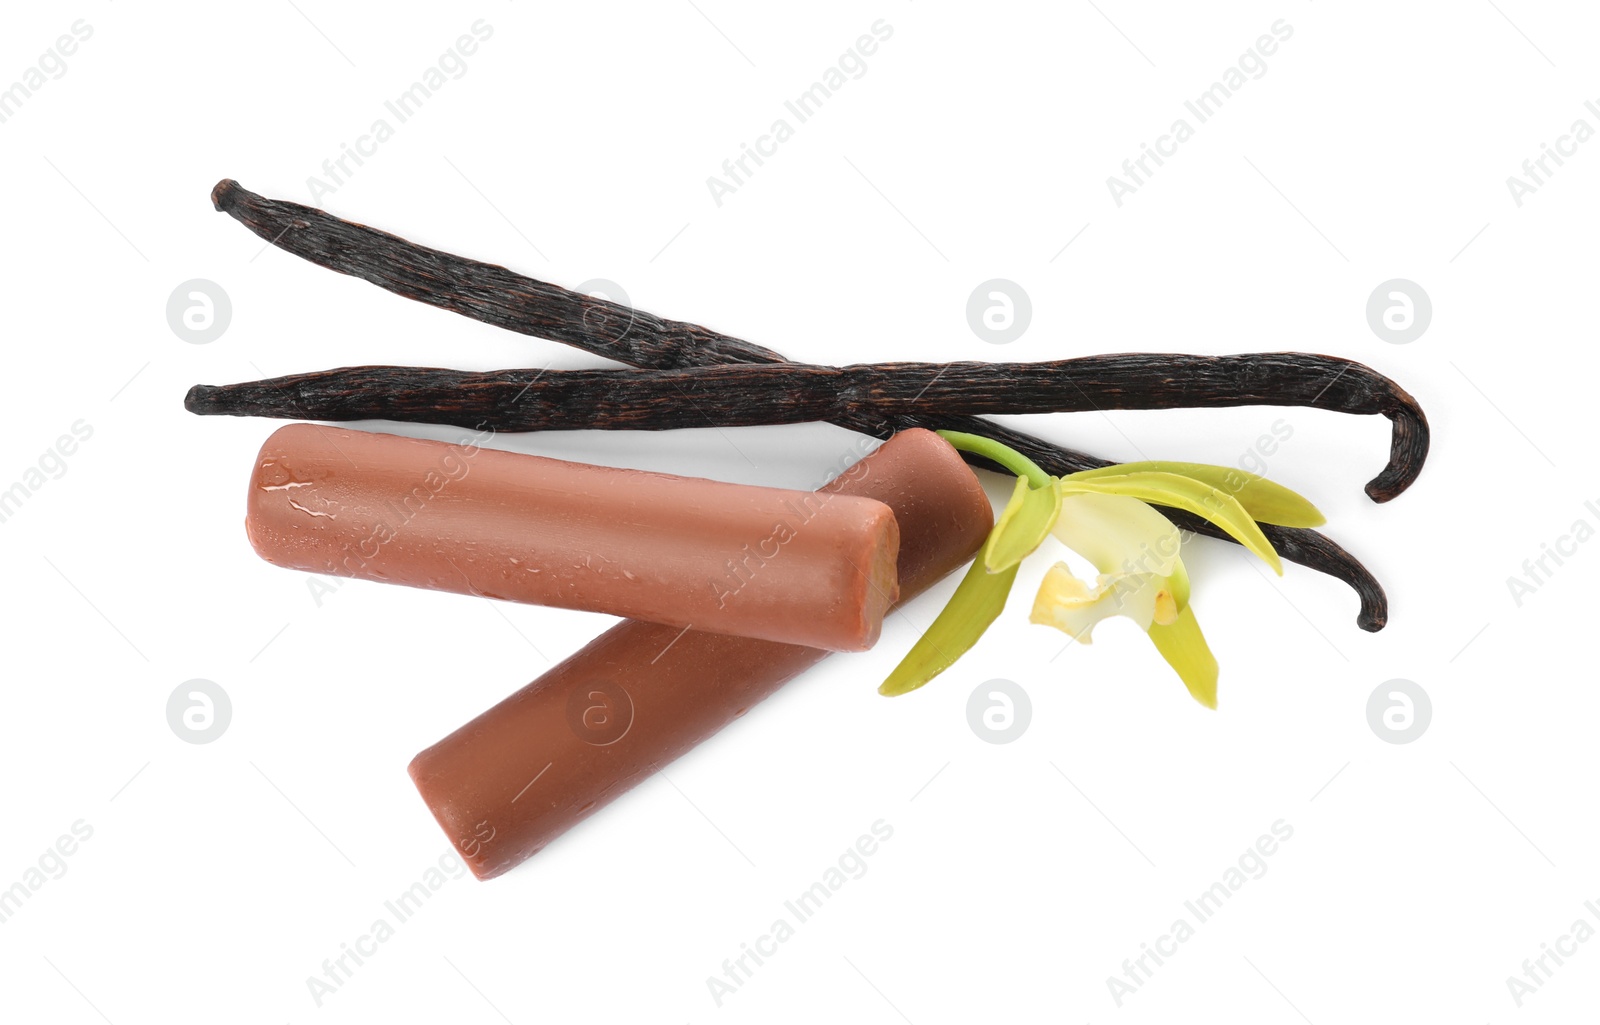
point(798, 567)
point(639, 695)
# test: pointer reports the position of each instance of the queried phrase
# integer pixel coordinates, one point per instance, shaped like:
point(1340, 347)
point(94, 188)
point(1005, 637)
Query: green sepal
point(1184, 647)
point(1023, 524)
point(1266, 501)
point(978, 601)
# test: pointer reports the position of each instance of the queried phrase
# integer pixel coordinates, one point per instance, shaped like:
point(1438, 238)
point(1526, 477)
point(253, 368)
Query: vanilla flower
point(1107, 516)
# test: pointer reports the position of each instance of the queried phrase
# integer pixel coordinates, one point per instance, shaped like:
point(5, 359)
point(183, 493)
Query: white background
point(977, 145)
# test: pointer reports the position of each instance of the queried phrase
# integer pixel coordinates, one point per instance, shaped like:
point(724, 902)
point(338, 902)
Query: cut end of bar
point(471, 836)
point(881, 580)
point(224, 194)
point(418, 770)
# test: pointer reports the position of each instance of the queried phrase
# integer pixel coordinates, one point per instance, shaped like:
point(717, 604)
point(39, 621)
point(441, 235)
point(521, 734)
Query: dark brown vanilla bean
point(496, 295)
point(482, 291)
point(743, 395)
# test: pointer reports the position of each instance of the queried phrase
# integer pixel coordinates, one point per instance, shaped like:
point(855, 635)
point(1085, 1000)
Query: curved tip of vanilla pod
point(1374, 614)
point(1320, 552)
point(224, 193)
point(1408, 449)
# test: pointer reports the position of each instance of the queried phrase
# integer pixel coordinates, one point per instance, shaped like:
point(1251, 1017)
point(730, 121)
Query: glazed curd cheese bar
point(797, 567)
point(641, 694)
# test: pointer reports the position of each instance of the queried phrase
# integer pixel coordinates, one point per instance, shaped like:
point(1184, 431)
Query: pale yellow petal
point(1074, 607)
point(1118, 534)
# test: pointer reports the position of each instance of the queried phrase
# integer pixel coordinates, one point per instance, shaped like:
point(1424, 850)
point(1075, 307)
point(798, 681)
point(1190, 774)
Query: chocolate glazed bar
point(641, 694)
point(791, 566)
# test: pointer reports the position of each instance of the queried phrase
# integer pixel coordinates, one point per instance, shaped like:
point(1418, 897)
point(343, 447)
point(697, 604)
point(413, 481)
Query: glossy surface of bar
point(639, 695)
point(799, 567)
